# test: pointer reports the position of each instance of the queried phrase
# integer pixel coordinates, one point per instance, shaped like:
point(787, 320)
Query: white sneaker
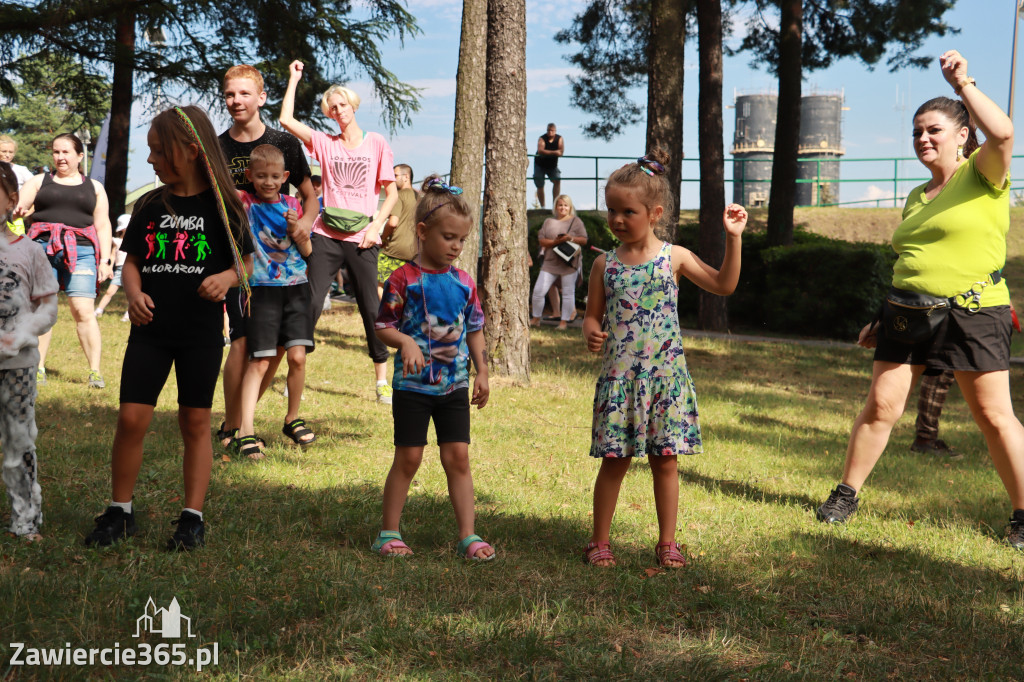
point(384, 393)
point(327, 302)
point(99, 311)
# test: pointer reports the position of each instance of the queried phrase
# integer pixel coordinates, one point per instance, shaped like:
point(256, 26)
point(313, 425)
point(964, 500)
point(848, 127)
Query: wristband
point(967, 81)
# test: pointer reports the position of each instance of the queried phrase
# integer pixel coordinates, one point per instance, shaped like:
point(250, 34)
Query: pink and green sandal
point(669, 551)
point(470, 545)
point(598, 551)
point(388, 540)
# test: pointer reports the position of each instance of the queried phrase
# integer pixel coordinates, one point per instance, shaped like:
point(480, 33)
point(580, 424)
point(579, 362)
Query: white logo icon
point(164, 622)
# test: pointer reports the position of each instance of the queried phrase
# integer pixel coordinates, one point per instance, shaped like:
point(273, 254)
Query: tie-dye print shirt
point(437, 308)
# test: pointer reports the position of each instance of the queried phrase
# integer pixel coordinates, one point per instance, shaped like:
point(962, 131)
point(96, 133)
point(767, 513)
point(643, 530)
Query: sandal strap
point(470, 545)
point(602, 552)
point(386, 537)
point(671, 553)
point(296, 429)
point(249, 445)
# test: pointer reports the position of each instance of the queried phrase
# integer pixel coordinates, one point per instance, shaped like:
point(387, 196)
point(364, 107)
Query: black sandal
point(224, 434)
point(296, 429)
point(251, 447)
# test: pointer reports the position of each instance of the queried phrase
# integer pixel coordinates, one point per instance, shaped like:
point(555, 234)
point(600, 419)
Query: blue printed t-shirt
point(437, 308)
point(278, 262)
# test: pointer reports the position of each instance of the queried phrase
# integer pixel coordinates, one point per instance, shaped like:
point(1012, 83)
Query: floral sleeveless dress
point(644, 403)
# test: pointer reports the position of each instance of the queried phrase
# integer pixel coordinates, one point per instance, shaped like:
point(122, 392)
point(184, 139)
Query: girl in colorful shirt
point(431, 314)
point(645, 403)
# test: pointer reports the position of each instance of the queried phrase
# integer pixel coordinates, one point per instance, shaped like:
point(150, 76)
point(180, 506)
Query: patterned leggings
point(18, 436)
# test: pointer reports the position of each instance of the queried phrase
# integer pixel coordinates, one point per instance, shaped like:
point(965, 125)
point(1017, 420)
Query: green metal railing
point(895, 179)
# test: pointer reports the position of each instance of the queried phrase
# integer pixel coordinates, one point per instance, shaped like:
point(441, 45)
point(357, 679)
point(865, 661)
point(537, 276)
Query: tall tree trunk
point(712, 310)
point(120, 111)
point(468, 145)
point(787, 128)
point(505, 280)
point(665, 95)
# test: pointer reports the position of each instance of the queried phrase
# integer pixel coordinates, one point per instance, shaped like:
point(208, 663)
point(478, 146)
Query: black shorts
point(146, 368)
point(236, 319)
point(963, 342)
point(280, 316)
point(412, 412)
point(540, 171)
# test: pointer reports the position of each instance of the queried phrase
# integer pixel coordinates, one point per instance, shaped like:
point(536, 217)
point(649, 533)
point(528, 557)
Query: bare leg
point(380, 371)
point(111, 290)
point(556, 189)
point(396, 487)
point(194, 423)
point(988, 396)
point(234, 370)
point(455, 460)
point(890, 386)
point(251, 381)
point(665, 472)
point(44, 345)
point(88, 330)
point(296, 383)
point(606, 494)
point(126, 454)
point(540, 196)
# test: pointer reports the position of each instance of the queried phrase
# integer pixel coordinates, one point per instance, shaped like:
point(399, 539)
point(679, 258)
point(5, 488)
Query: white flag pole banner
point(99, 157)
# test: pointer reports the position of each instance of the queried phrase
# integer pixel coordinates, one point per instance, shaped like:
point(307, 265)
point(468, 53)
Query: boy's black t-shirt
point(177, 252)
point(237, 154)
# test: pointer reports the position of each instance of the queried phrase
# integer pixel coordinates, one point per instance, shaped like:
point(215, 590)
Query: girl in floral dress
point(644, 403)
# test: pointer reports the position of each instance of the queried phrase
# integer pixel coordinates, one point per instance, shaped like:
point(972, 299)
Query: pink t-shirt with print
point(352, 178)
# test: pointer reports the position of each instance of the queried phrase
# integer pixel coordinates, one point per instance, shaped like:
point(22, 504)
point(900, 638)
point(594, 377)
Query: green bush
point(818, 287)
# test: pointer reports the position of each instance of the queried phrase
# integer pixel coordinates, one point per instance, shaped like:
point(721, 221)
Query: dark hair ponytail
point(955, 111)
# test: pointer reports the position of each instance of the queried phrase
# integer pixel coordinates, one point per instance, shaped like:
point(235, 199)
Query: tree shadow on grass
point(746, 490)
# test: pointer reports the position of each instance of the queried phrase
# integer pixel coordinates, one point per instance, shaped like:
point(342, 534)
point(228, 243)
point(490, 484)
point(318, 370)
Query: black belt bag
point(910, 317)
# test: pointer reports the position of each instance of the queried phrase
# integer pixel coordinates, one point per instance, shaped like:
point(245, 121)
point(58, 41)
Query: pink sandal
point(598, 551)
point(669, 553)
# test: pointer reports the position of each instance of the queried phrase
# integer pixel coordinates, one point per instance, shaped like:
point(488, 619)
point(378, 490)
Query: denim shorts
point(116, 281)
point(82, 282)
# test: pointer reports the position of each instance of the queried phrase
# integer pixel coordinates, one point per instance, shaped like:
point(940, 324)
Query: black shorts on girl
point(964, 342)
point(147, 366)
point(412, 412)
point(279, 316)
point(236, 318)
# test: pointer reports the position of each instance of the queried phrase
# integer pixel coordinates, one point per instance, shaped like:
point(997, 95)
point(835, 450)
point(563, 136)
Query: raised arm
point(723, 281)
point(287, 117)
point(996, 152)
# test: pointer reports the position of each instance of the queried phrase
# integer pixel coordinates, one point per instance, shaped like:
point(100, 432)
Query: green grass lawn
point(918, 586)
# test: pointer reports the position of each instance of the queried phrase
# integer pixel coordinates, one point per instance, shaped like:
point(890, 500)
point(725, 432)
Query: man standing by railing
point(549, 147)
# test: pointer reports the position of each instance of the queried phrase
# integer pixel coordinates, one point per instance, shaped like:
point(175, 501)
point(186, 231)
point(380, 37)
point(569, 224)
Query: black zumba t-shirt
point(237, 154)
point(177, 252)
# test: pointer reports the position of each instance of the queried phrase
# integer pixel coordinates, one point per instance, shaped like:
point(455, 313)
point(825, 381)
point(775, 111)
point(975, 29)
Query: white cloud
point(540, 80)
point(874, 193)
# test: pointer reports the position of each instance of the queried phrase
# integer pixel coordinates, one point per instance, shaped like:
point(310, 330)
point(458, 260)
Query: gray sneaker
point(96, 380)
point(840, 505)
point(384, 393)
point(41, 376)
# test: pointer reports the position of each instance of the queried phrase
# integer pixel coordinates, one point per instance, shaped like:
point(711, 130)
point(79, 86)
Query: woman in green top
point(952, 239)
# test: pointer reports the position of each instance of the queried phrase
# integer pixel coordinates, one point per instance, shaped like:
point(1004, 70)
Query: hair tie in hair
point(650, 166)
point(438, 182)
point(236, 252)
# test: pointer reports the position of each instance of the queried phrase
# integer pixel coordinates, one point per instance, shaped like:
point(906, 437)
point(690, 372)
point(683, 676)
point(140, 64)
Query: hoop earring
point(960, 153)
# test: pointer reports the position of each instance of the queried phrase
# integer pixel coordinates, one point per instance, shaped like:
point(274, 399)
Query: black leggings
point(329, 255)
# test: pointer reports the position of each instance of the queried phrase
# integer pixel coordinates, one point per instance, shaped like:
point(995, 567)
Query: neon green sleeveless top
point(947, 243)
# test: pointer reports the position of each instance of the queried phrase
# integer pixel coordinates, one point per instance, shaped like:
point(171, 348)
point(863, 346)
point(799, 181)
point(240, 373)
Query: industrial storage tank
point(820, 149)
point(752, 148)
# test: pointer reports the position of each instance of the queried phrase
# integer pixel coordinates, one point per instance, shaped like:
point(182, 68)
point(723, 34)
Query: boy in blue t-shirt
point(281, 302)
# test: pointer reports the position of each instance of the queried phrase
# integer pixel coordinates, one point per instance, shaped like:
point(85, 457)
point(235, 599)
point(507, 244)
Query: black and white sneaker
point(112, 526)
point(1015, 536)
point(189, 534)
point(840, 505)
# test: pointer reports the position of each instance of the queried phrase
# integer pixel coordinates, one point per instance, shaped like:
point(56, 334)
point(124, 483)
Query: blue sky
point(876, 124)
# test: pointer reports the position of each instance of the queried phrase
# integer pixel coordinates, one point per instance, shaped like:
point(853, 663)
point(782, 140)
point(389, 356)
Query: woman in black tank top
point(67, 213)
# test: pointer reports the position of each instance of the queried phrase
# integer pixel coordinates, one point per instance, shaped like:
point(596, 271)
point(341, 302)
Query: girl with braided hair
point(175, 303)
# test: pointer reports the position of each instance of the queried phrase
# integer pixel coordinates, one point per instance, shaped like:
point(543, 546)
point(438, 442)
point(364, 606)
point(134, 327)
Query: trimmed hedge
point(821, 287)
